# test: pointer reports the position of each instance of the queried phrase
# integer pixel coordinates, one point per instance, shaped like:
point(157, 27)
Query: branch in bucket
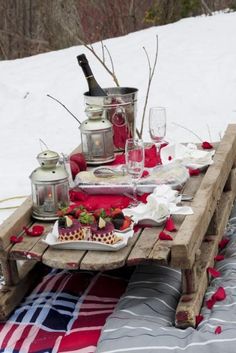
point(102, 61)
point(112, 73)
point(150, 77)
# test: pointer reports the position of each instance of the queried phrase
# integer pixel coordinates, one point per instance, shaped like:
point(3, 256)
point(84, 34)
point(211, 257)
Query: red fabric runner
point(93, 202)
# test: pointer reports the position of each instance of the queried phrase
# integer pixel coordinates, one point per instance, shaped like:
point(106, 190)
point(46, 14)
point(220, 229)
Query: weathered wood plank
point(108, 260)
point(194, 227)
point(11, 296)
point(62, 259)
point(190, 304)
point(15, 222)
point(10, 272)
point(144, 245)
point(161, 249)
point(31, 247)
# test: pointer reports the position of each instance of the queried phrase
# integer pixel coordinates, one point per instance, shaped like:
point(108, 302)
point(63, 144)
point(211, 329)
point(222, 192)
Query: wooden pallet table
point(193, 249)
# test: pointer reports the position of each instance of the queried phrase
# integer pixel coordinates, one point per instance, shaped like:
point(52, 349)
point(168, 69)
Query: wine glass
point(157, 125)
point(134, 157)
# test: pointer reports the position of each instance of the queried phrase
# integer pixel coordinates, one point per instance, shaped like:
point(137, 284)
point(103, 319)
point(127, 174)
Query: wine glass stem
point(135, 199)
point(158, 149)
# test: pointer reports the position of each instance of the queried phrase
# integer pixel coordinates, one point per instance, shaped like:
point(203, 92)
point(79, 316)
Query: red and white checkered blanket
point(64, 313)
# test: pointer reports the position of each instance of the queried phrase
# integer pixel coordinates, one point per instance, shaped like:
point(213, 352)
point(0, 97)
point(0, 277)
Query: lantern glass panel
point(61, 192)
point(84, 138)
point(45, 197)
point(108, 143)
point(97, 145)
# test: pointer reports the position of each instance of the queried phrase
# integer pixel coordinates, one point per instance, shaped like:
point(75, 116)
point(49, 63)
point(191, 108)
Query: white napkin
point(160, 204)
point(189, 156)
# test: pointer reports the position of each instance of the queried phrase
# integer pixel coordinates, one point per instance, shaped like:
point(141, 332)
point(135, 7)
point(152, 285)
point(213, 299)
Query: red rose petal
point(219, 294)
point(219, 257)
point(143, 197)
point(193, 172)
point(207, 145)
point(165, 236)
point(14, 239)
point(145, 174)
point(223, 243)
point(210, 302)
point(213, 272)
point(198, 319)
point(218, 330)
point(35, 231)
point(170, 226)
point(136, 227)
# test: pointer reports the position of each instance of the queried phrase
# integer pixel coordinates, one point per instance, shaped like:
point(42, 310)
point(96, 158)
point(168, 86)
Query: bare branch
point(149, 63)
point(48, 95)
point(90, 48)
point(189, 130)
point(109, 54)
point(151, 73)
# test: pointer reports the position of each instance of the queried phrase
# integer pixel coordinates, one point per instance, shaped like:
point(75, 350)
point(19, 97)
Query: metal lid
point(48, 170)
point(48, 159)
point(95, 125)
point(94, 112)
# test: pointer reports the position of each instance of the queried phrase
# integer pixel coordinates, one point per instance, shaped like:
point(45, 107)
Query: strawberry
point(126, 224)
point(100, 212)
point(115, 211)
point(78, 212)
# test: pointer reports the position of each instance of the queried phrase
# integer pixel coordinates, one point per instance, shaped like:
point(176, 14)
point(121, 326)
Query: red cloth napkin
point(93, 202)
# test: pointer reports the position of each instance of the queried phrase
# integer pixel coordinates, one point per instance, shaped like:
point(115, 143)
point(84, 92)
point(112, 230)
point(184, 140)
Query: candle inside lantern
point(48, 205)
point(97, 145)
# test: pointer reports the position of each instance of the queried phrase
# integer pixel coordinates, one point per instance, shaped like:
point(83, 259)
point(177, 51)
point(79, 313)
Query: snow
point(195, 79)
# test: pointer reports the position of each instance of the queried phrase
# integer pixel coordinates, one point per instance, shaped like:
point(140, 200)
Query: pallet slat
point(194, 227)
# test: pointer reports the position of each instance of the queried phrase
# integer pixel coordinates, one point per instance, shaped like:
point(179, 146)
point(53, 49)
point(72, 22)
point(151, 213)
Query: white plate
point(52, 240)
point(152, 222)
point(189, 156)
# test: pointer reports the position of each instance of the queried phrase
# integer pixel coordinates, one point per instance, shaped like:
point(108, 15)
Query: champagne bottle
point(94, 88)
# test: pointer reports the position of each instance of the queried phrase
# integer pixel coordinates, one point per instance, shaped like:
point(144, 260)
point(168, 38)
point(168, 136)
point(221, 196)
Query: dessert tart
point(104, 232)
point(69, 230)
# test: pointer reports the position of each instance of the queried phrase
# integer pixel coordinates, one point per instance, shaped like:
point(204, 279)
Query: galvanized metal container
point(120, 108)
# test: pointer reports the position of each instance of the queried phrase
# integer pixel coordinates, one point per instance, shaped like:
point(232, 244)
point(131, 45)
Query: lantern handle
point(42, 143)
point(48, 95)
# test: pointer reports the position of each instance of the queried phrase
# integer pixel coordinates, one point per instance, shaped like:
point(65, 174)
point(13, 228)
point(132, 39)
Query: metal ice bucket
point(120, 108)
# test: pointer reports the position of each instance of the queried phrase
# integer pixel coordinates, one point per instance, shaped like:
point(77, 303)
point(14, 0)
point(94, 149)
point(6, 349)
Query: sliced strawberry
point(126, 224)
point(115, 211)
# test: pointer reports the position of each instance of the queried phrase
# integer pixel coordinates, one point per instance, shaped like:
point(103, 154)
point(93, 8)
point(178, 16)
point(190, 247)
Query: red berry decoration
point(79, 159)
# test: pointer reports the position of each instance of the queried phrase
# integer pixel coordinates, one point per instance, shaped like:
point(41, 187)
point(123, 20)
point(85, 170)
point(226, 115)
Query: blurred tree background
point(29, 27)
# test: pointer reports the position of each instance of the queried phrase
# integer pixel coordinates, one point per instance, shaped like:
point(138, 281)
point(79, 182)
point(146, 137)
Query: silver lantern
point(50, 186)
point(97, 137)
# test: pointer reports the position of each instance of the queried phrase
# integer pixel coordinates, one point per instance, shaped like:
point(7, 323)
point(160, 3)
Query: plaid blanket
point(64, 313)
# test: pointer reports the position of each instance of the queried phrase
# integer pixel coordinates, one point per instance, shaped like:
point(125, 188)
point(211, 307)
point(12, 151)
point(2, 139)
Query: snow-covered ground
point(195, 79)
